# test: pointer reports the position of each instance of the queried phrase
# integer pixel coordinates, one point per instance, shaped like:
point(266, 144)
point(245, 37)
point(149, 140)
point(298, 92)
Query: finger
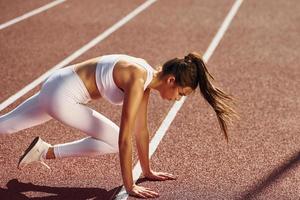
point(139, 194)
point(169, 176)
point(151, 178)
point(148, 188)
point(145, 193)
point(149, 191)
point(136, 194)
point(162, 178)
point(166, 174)
point(157, 178)
point(150, 194)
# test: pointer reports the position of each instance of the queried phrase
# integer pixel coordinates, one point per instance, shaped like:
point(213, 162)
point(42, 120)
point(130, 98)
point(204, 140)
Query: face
point(173, 92)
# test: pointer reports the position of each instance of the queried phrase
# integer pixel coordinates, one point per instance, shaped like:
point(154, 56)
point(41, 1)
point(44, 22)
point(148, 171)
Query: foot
point(34, 153)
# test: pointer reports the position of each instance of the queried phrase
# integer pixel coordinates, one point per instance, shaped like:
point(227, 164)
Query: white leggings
point(62, 97)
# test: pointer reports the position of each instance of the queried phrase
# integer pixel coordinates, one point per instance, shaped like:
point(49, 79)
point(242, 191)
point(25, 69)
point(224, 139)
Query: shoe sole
point(33, 143)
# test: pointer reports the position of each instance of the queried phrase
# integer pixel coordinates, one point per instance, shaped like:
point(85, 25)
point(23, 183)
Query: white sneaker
point(34, 153)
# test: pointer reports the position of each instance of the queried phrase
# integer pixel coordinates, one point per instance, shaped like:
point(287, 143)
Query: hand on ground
point(142, 192)
point(160, 176)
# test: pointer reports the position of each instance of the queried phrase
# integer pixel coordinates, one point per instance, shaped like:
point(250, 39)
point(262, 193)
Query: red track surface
point(256, 61)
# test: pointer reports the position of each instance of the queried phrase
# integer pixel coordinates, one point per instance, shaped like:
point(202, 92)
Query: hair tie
point(188, 59)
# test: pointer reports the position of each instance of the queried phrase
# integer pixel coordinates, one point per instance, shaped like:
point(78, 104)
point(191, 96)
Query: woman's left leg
point(63, 96)
point(28, 114)
point(103, 134)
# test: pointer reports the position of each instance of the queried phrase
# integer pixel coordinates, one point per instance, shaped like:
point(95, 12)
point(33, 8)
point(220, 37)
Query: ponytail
point(213, 95)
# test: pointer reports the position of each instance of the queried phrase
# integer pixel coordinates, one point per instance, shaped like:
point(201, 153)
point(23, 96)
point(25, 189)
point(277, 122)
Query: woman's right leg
point(64, 96)
point(103, 133)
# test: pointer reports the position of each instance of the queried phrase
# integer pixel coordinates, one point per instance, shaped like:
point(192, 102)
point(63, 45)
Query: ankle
point(50, 153)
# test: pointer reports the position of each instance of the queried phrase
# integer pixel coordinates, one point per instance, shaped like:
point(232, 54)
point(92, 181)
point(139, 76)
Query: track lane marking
point(137, 171)
point(77, 53)
point(30, 14)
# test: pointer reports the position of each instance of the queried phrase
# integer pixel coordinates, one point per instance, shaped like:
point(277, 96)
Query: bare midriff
point(86, 71)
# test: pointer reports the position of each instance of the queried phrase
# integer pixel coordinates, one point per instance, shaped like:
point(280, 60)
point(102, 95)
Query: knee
point(114, 146)
point(7, 131)
point(6, 127)
point(99, 146)
point(113, 149)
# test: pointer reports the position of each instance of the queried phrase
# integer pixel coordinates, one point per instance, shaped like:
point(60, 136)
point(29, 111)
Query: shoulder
point(137, 75)
point(128, 73)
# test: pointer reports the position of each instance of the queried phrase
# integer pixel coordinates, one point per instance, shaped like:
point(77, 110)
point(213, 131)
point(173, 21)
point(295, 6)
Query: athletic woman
point(122, 80)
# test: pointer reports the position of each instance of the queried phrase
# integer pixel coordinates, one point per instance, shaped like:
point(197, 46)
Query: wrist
point(147, 172)
point(129, 188)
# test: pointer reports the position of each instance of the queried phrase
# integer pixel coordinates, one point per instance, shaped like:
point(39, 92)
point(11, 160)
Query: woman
point(122, 80)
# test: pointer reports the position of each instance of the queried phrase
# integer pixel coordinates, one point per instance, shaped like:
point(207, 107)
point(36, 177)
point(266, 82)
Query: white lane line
point(122, 195)
point(216, 40)
point(30, 14)
point(77, 53)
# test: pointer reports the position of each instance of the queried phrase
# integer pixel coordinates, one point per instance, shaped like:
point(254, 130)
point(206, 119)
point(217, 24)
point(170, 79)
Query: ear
point(171, 80)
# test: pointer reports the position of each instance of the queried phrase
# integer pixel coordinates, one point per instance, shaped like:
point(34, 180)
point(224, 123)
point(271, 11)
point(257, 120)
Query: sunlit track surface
point(163, 128)
point(30, 14)
point(256, 61)
point(51, 36)
point(13, 9)
point(90, 44)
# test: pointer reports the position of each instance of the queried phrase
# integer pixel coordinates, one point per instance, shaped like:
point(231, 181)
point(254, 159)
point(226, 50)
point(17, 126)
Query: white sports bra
point(104, 76)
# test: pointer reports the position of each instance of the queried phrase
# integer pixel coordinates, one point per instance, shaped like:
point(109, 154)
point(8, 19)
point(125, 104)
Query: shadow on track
point(15, 189)
point(276, 174)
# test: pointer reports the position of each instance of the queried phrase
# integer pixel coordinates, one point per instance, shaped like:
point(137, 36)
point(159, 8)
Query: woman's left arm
point(142, 142)
point(142, 134)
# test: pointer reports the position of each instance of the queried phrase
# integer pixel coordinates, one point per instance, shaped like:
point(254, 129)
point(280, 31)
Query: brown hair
point(191, 71)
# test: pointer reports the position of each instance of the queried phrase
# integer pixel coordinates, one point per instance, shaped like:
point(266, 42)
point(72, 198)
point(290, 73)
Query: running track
point(257, 61)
